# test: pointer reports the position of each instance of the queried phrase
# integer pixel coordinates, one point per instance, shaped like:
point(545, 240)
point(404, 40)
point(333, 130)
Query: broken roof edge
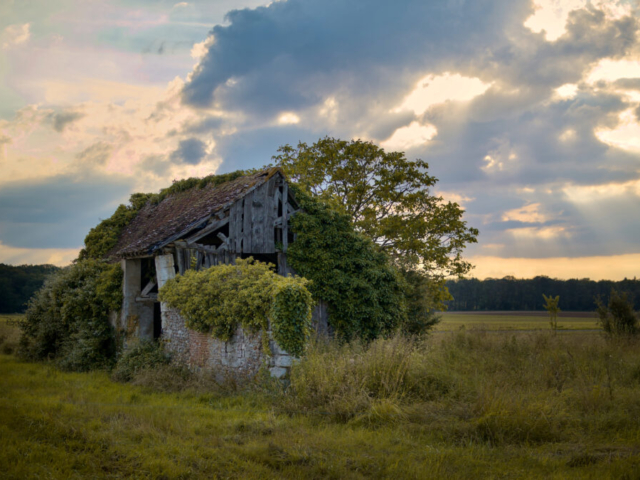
point(117, 252)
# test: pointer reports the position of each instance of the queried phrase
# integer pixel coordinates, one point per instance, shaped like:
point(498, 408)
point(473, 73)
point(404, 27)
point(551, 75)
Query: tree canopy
point(388, 198)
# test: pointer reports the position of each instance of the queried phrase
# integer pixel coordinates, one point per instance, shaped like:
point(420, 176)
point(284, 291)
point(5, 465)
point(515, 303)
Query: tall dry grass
point(477, 387)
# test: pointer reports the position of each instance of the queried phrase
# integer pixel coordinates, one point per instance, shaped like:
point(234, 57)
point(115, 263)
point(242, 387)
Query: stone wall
point(241, 357)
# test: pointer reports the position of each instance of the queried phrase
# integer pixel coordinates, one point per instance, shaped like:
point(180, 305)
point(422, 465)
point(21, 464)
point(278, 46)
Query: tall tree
point(389, 199)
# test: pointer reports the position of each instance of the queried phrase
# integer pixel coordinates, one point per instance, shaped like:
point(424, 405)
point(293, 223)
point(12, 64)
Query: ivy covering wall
point(363, 290)
point(249, 294)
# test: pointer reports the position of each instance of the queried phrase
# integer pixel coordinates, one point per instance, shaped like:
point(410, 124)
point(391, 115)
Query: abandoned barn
point(196, 229)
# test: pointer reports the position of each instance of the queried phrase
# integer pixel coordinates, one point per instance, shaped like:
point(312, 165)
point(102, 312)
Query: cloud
point(60, 120)
point(190, 151)
point(292, 53)
point(95, 155)
point(528, 214)
point(57, 212)
point(35, 256)
point(15, 35)
point(434, 89)
point(405, 138)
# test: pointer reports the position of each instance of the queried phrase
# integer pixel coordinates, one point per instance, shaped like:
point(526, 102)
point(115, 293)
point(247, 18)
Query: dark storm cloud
point(254, 148)
point(59, 211)
point(290, 53)
point(190, 151)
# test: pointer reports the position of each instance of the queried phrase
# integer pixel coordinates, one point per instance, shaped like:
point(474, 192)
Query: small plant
point(144, 355)
point(551, 306)
point(617, 318)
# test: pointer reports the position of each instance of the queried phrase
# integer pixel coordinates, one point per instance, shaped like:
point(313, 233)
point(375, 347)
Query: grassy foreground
point(458, 406)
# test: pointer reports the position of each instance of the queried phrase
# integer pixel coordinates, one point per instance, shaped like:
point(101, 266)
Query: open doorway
point(157, 320)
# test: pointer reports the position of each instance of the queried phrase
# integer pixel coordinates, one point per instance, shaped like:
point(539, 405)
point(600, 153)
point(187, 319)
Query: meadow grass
point(457, 405)
point(451, 321)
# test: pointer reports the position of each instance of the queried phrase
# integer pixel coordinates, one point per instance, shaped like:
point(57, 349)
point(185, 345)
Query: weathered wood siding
point(257, 224)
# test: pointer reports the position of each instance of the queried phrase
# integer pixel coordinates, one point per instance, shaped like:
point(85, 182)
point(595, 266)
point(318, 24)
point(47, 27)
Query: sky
point(527, 111)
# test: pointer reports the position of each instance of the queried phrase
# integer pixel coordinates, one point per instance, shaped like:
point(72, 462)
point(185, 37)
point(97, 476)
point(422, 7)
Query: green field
point(506, 321)
point(470, 405)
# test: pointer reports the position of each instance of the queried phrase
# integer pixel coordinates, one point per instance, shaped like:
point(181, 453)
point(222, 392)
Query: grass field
point(516, 321)
point(470, 405)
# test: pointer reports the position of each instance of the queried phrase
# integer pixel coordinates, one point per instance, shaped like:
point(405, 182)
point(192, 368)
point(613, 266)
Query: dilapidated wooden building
point(198, 228)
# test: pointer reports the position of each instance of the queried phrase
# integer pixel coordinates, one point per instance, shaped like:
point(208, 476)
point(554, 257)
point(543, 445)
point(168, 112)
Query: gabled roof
point(179, 213)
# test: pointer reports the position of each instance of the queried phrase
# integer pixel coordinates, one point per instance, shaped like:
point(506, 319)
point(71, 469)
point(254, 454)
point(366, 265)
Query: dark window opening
point(147, 272)
point(212, 239)
point(157, 320)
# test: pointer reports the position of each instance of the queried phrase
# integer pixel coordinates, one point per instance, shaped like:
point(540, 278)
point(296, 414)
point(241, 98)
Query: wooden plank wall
point(252, 219)
point(251, 230)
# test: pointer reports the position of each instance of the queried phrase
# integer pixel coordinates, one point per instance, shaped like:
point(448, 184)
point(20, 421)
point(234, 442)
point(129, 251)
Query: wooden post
point(285, 217)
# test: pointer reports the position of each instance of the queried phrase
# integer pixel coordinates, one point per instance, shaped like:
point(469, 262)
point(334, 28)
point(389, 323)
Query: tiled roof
point(181, 212)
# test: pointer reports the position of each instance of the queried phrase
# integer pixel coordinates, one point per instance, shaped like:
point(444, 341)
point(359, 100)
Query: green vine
point(249, 293)
point(364, 292)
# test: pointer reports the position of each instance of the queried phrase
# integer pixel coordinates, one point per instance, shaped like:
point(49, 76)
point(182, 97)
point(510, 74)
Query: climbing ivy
point(249, 293)
point(364, 292)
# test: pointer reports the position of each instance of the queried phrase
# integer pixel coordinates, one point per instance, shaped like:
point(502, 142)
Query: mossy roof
point(179, 213)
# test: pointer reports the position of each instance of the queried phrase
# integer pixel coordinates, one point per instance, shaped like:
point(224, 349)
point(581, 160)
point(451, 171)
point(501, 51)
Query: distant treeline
point(510, 293)
point(18, 284)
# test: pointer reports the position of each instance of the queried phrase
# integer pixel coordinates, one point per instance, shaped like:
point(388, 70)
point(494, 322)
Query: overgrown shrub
point(363, 290)
point(617, 318)
point(67, 319)
point(143, 355)
point(421, 292)
point(249, 293)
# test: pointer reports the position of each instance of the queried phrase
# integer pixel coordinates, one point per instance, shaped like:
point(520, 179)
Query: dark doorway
point(157, 320)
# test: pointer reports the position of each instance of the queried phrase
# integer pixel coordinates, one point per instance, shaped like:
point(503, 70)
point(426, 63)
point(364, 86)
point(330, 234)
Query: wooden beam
point(148, 288)
point(285, 217)
point(207, 230)
point(180, 258)
point(151, 298)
